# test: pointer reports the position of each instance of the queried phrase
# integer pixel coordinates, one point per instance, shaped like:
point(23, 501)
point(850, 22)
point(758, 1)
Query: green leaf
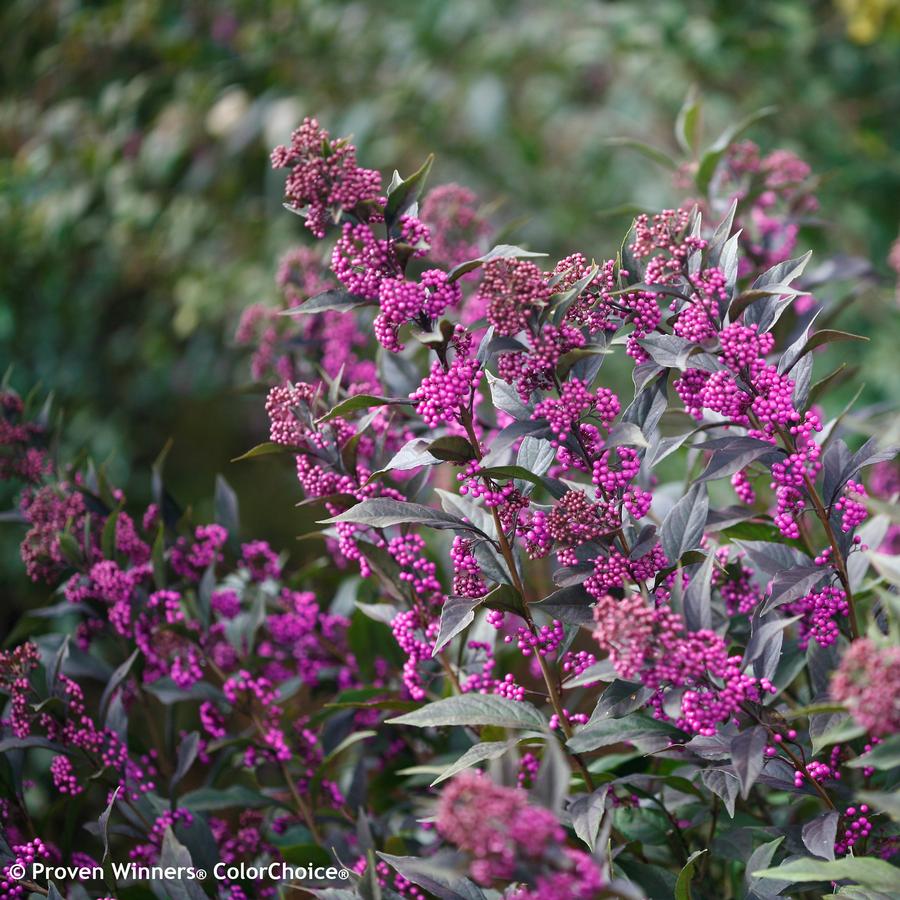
point(847, 730)
point(633, 729)
point(304, 854)
point(265, 449)
point(474, 755)
point(169, 510)
point(687, 124)
point(235, 797)
point(645, 824)
point(352, 739)
point(57, 666)
point(888, 803)
point(362, 401)
point(887, 566)
point(714, 153)
point(830, 336)
point(651, 152)
point(373, 704)
point(402, 193)
point(814, 709)
point(841, 374)
point(761, 856)
point(855, 892)
point(869, 872)
point(451, 448)
point(167, 692)
point(507, 473)
point(885, 755)
point(108, 538)
point(474, 709)
point(70, 549)
point(378, 612)
point(683, 882)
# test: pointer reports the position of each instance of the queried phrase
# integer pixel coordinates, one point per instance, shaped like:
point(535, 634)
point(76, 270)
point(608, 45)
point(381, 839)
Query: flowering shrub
point(569, 641)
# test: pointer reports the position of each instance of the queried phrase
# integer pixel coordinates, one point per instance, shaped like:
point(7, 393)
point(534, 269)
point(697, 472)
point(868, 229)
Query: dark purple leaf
point(334, 299)
point(443, 882)
point(117, 677)
point(731, 454)
point(763, 632)
point(457, 614)
point(648, 406)
point(382, 513)
point(791, 584)
point(697, 605)
point(586, 812)
point(772, 558)
point(747, 756)
point(571, 605)
point(551, 785)
point(474, 709)
point(819, 834)
point(188, 748)
point(724, 784)
point(683, 527)
point(620, 698)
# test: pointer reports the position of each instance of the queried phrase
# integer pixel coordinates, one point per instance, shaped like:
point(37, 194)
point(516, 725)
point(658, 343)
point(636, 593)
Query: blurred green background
point(138, 213)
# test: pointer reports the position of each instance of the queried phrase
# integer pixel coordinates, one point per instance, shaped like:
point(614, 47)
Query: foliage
point(550, 651)
point(137, 219)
